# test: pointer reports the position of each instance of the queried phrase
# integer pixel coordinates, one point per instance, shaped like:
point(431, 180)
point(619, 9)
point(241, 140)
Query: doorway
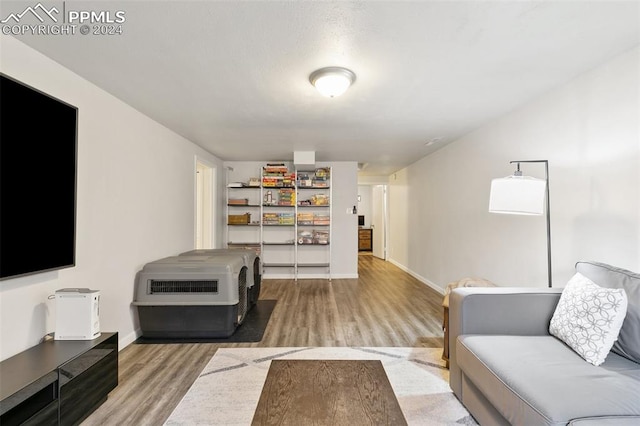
point(378, 221)
point(372, 209)
point(205, 196)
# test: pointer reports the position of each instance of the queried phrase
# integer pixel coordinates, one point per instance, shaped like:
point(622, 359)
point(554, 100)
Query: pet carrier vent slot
point(183, 287)
point(256, 271)
point(242, 293)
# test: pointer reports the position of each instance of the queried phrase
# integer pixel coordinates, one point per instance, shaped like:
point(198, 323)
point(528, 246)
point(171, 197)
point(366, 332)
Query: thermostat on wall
point(77, 314)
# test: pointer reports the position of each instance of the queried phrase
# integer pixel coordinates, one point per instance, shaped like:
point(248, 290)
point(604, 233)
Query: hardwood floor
point(384, 307)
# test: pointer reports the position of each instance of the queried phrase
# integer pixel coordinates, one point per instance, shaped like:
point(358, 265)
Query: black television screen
point(38, 140)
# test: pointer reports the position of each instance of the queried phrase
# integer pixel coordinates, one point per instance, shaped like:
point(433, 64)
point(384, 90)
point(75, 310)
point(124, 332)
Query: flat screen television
point(38, 157)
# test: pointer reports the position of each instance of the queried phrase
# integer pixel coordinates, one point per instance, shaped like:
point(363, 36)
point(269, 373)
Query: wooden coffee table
point(327, 392)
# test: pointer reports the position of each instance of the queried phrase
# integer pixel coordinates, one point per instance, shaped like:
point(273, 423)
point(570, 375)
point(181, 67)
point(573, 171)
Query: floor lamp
point(523, 195)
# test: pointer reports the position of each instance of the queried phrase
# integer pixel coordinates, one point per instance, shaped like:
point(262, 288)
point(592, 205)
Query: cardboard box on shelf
point(239, 219)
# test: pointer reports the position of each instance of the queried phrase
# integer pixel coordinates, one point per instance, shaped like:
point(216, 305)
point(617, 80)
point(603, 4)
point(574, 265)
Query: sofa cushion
point(628, 343)
point(540, 380)
point(588, 318)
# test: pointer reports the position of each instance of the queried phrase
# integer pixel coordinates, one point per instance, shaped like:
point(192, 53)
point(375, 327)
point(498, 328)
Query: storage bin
point(239, 219)
point(238, 201)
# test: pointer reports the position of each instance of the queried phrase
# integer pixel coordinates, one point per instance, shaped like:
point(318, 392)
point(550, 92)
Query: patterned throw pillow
point(588, 318)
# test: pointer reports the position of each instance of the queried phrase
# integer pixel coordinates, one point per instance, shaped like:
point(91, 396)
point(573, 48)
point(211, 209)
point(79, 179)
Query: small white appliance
point(77, 314)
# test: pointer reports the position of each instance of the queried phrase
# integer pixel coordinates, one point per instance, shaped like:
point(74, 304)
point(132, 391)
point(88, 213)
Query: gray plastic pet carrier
point(251, 261)
point(192, 296)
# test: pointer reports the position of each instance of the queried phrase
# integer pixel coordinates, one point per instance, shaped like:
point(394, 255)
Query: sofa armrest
point(497, 310)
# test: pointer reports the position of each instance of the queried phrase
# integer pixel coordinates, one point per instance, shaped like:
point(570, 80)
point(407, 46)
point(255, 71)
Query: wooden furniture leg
point(445, 327)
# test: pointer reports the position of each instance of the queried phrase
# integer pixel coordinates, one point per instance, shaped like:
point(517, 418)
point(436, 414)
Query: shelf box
point(239, 219)
point(305, 159)
point(238, 201)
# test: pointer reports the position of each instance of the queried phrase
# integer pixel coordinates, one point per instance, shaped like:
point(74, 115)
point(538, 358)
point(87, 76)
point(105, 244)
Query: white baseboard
point(418, 277)
point(277, 276)
point(125, 341)
point(324, 276)
point(309, 276)
point(343, 276)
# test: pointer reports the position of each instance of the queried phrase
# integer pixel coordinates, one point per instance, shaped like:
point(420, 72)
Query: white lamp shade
point(517, 195)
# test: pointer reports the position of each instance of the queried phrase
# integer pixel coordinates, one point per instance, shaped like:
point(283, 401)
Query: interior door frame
point(380, 235)
point(204, 204)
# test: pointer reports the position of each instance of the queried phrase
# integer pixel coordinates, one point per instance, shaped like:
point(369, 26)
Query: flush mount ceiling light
point(332, 81)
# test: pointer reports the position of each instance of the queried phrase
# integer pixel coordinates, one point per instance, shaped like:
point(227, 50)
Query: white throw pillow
point(588, 318)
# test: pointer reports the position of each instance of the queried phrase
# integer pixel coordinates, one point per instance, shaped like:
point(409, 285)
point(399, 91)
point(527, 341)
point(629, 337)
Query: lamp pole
point(546, 176)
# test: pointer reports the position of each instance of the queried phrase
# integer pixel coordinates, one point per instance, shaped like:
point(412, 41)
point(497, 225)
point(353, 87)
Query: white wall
point(589, 131)
point(344, 226)
point(372, 180)
point(135, 203)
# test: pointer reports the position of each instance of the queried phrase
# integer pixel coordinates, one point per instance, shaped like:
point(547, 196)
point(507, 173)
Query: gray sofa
point(506, 368)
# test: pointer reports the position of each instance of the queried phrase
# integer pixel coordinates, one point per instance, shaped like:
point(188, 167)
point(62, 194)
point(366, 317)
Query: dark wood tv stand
point(58, 381)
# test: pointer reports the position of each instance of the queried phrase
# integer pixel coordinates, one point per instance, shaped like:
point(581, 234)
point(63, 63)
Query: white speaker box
point(77, 314)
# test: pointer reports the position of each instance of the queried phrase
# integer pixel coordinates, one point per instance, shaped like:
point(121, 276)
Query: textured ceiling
point(233, 76)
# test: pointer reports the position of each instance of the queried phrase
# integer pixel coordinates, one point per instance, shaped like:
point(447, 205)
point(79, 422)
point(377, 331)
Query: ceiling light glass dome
point(332, 81)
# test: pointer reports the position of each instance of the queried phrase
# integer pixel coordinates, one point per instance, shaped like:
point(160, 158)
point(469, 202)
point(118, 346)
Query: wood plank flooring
point(384, 307)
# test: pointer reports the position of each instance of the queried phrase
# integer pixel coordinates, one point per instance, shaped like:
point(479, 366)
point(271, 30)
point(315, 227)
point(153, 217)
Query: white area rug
point(228, 389)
